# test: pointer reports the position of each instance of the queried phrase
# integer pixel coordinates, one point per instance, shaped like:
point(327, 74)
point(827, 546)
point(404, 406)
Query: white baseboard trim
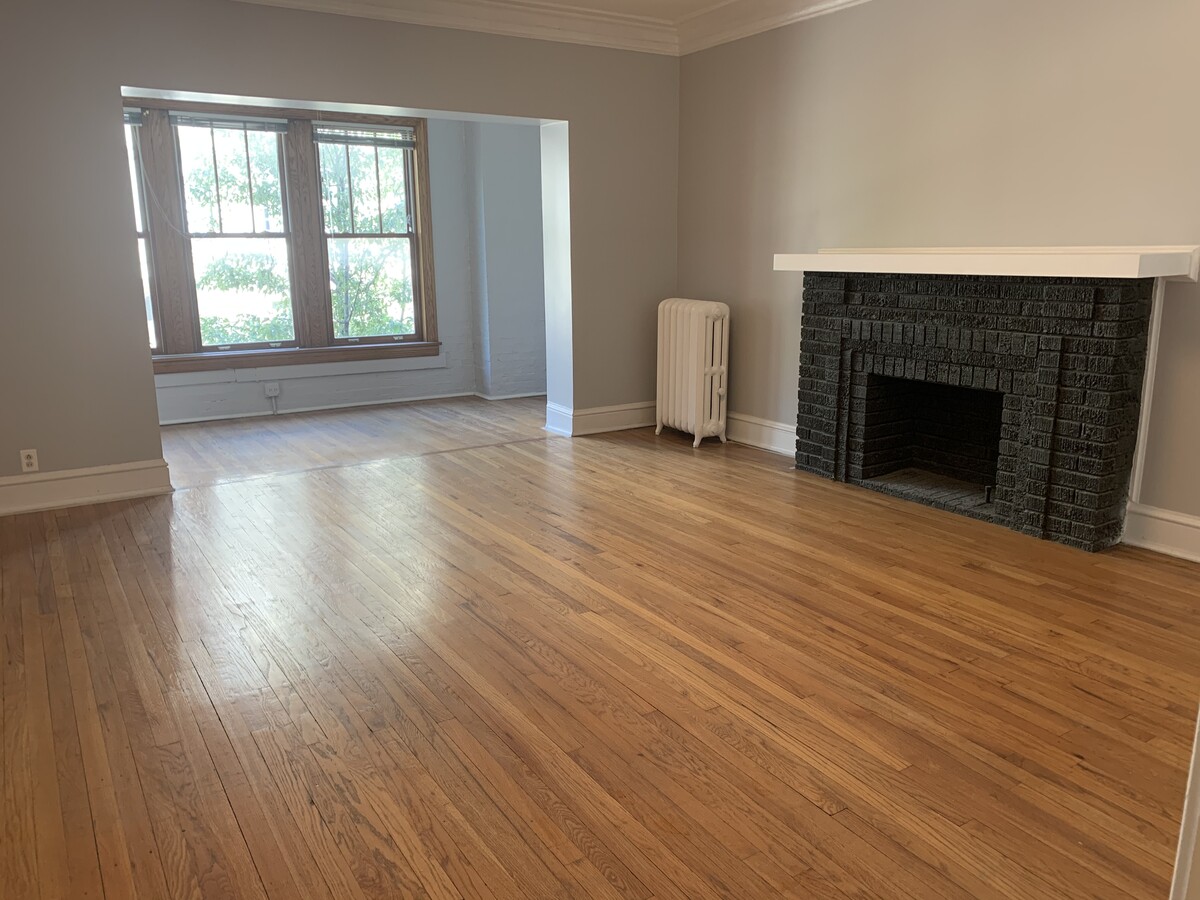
point(778, 437)
point(77, 487)
point(1162, 530)
point(598, 419)
point(510, 396)
point(558, 419)
point(268, 413)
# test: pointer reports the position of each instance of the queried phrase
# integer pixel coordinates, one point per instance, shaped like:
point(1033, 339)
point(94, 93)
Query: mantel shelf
point(1175, 263)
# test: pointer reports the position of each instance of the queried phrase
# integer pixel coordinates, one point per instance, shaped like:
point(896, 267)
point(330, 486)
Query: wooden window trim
point(173, 282)
point(424, 293)
point(215, 360)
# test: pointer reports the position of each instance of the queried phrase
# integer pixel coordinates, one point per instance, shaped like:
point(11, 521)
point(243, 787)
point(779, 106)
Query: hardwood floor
point(601, 667)
point(237, 449)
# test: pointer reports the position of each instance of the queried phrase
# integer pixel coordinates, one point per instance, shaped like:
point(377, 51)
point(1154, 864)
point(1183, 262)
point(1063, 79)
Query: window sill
point(216, 360)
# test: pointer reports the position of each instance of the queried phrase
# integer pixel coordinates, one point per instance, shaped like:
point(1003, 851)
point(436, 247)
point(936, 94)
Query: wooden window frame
point(173, 285)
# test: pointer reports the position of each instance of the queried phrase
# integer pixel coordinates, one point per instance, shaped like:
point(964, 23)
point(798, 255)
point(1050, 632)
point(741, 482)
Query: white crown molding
point(728, 20)
point(732, 20)
point(512, 18)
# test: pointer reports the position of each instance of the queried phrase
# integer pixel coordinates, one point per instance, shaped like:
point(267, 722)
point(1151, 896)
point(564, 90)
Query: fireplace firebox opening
point(936, 443)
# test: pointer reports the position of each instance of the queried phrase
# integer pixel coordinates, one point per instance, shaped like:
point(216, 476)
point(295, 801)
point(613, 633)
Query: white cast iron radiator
point(693, 370)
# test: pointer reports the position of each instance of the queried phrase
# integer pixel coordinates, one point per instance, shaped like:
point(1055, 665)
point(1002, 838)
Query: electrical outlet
point(29, 461)
point(271, 388)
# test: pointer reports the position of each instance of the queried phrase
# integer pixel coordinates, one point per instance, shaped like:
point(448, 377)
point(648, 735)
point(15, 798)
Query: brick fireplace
point(1011, 399)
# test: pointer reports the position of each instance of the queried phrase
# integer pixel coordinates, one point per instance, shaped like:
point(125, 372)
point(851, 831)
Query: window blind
point(403, 138)
point(194, 121)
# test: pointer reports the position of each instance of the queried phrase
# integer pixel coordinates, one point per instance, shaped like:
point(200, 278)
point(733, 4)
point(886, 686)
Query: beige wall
point(945, 123)
point(73, 363)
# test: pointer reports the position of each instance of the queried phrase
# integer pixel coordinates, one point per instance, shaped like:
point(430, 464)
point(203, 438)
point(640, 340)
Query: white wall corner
point(777, 437)
point(77, 487)
point(1162, 530)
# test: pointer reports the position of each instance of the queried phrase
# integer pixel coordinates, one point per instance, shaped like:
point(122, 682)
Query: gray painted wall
point(466, 265)
point(944, 123)
point(510, 301)
point(77, 376)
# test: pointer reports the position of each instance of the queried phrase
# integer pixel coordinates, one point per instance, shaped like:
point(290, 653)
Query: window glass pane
point(143, 258)
point(234, 181)
point(393, 189)
point(366, 188)
point(370, 282)
point(264, 172)
point(335, 188)
point(242, 290)
point(199, 180)
point(135, 180)
point(218, 200)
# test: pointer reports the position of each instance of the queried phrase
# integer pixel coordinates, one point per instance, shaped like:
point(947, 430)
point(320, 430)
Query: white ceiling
point(672, 27)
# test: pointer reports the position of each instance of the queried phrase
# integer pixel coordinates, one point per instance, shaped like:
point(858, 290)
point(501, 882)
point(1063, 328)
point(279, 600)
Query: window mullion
point(312, 306)
point(169, 248)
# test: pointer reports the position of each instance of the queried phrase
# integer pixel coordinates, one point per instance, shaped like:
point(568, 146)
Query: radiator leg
point(696, 443)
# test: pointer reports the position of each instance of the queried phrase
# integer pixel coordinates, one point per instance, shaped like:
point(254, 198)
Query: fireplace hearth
point(938, 388)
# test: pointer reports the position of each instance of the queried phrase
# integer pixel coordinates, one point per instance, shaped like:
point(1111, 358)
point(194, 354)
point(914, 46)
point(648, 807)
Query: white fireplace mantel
point(1173, 263)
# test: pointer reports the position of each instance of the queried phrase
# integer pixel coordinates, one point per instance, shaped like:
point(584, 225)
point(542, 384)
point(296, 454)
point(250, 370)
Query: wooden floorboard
point(502, 664)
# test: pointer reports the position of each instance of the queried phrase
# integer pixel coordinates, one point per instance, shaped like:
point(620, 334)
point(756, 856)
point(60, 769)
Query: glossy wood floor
point(237, 449)
point(601, 667)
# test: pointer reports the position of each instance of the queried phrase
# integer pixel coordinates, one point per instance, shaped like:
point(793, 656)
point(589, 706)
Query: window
point(237, 231)
point(368, 231)
point(275, 236)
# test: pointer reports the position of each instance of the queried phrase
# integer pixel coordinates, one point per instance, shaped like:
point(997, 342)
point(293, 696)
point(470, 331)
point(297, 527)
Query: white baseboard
point(778, 437)
point(261, 414)
point(510, 396)
point(1162, 530)
point(558, 419)
point(598, 419)
point(76, 487)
